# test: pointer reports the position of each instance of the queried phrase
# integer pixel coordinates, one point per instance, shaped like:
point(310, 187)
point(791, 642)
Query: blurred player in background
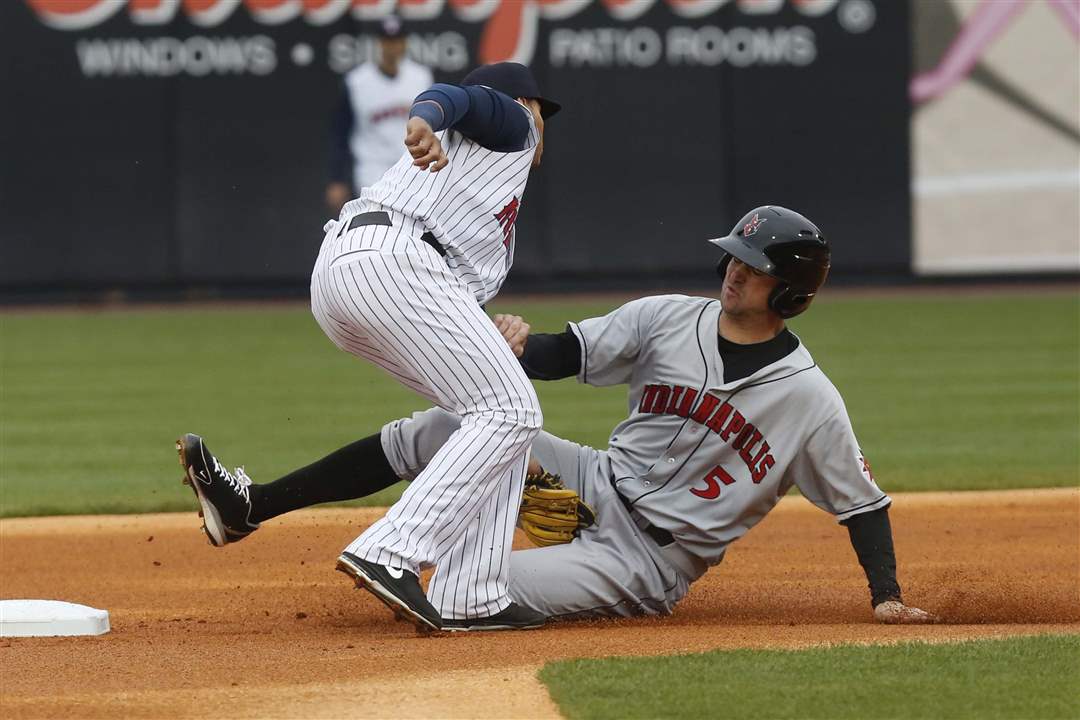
point(370, 117)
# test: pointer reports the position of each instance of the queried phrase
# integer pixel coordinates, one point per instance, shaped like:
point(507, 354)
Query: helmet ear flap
point(785, 300)
point(789, 302)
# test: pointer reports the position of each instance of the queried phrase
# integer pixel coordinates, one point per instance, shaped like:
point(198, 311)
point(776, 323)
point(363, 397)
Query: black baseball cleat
point(398, 589)
point(513, 617)
point(224, 497)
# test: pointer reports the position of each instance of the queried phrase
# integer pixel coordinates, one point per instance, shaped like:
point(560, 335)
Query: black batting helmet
point(784, 244)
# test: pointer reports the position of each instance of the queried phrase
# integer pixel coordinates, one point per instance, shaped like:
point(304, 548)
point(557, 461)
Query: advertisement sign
point(185, 142)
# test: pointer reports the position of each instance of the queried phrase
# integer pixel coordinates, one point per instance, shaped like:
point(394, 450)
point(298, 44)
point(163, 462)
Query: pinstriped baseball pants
point(382, 294)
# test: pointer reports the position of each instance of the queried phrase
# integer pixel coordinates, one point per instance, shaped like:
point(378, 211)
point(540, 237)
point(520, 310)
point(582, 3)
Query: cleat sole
point(211, 522)
point(401, 612)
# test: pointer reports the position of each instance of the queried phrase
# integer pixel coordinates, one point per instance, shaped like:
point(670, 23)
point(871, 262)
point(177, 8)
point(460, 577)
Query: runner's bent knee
point(410, 443)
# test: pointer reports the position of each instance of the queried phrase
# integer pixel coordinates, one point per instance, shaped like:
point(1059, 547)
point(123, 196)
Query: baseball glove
point(551, 513)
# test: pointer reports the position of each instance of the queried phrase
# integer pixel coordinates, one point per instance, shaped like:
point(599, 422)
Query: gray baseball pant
point(612, 569)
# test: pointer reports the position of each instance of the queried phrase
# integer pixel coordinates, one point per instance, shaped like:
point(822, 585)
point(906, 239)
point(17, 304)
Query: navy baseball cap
point(515, 80)
point(391, 27)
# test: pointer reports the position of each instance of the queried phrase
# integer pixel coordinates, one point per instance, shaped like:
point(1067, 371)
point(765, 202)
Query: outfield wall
point(176, 144)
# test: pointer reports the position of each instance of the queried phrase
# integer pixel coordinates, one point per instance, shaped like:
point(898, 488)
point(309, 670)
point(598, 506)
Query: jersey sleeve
point(611, 344)
point(833, 473)
point(488, 117)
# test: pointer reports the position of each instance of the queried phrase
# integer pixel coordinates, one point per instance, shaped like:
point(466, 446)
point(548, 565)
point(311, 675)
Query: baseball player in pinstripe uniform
point(370, 118)
point(727, 412)
point(400, 280)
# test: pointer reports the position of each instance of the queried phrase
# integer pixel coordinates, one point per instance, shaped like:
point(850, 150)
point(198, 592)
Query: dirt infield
point(267, 628)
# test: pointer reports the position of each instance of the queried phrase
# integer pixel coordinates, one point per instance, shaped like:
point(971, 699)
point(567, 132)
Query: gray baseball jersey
point(700, 458)
point(705, 459)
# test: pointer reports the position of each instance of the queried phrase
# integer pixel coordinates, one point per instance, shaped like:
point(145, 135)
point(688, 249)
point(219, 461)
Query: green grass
point(1035, 677)
point(945, 393)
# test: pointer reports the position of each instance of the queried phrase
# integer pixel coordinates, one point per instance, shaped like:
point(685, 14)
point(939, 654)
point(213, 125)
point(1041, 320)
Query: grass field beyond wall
point(944, 392)
point(1034, 677)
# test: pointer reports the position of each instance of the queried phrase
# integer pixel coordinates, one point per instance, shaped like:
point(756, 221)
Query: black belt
point(662, 537)
point(380, 217)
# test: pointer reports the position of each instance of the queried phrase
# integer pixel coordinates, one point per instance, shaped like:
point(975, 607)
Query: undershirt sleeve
point(488, 117)
point(551, 356)
point(871, 536)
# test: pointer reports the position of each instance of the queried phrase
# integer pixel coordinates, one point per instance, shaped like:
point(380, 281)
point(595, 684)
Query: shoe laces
point(243, 483)
point(238, 480)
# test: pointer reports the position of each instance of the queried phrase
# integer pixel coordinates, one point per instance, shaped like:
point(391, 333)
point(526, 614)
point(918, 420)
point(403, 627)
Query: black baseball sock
point(355, 471)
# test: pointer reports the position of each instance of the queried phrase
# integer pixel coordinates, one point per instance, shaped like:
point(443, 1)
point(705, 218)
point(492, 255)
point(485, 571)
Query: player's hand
point(894, 612)
point(337, 194)
point(424, 146)
point(515, 330)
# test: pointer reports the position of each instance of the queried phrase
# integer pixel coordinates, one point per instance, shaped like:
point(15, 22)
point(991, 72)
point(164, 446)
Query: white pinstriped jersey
point(470, 206)
point(379, 292)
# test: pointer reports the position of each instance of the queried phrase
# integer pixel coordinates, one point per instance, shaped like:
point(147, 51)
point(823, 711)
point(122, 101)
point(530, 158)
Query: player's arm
point(832, 473)
point(601, 351)
point(871, 536)
point(341, 159)
point(543, 356)
point(490, 118)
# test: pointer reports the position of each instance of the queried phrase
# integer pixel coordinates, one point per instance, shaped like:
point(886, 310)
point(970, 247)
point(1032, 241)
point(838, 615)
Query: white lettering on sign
point(704, 46)
point(605, 47)
point(163, 57)
point(510, 26)
point(446, 51)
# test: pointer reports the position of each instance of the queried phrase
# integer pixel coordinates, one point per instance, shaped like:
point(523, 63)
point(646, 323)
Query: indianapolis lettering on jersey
point(722, 418)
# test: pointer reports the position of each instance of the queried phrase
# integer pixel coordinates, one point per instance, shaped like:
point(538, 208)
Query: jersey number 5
point(712, 481)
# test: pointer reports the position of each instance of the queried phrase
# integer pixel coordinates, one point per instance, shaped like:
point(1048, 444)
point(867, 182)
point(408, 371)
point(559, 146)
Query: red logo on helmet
point(752, 227)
